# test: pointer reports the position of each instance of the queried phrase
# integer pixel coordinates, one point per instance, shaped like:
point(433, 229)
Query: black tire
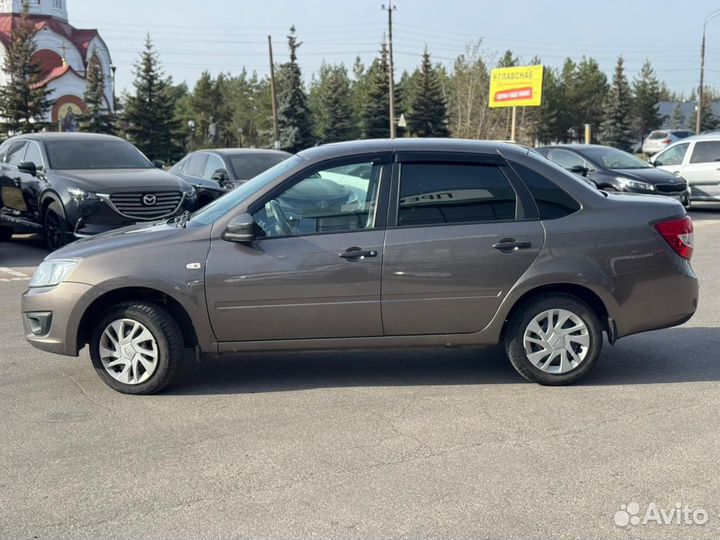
point(55, 227)
point(515, 330)
point(5, 234)
point(167, 335)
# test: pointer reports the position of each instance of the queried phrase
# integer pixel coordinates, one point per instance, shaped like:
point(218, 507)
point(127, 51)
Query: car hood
point(103, 180)
point(650, 175)
point(119, 239)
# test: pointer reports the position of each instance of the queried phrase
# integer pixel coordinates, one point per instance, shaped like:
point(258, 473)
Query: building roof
point(81, 38)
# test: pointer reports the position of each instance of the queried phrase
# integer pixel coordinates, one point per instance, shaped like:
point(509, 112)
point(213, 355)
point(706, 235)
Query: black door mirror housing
point(28, 167)
point(240, 229)
point(159, 164)
point(579, 169)
point(221, 176)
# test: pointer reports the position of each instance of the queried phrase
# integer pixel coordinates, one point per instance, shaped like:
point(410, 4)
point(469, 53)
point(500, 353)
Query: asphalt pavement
point(431, 443)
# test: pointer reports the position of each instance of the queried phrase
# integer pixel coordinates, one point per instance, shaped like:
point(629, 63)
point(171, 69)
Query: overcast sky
point(225, 35)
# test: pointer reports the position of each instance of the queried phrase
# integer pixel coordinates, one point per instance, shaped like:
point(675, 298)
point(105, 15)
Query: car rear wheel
point(55, 227)
point(137, 348)
point(554, 339)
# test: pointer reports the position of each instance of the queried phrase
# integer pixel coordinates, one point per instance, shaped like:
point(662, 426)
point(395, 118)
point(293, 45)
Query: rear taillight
point(679, 234)
point(667, 141)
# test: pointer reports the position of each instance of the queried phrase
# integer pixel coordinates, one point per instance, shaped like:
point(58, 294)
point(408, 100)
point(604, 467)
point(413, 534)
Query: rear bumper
point(706, 192)
point(660, 301)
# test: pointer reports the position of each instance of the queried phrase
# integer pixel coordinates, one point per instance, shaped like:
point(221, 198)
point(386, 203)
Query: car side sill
point(334, 343)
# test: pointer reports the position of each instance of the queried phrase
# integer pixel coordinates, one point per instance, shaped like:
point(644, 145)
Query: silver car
point(697, 160)
point(661, 138)
point(375, 244)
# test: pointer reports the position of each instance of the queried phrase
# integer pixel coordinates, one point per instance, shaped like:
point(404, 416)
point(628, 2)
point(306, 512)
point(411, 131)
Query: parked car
point(397, 243)
point(611, 169)
point(661, 138)
point(72, 185)
point(697, 159)
point(214, 172)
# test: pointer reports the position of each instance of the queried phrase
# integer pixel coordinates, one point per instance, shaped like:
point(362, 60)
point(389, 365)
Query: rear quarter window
point(552, 201)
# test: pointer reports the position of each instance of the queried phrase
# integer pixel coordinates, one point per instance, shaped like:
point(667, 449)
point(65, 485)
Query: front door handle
point(509, 245)
point(357, 254)
point(676, 173)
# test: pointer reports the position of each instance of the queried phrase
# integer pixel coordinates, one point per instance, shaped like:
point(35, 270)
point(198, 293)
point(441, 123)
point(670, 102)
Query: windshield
point(246, 166)
point(219, 207)
point(94, 154)
point(611, 158)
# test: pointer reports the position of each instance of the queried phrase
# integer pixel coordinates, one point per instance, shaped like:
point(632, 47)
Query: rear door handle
point(357, 254)
point(510, 245)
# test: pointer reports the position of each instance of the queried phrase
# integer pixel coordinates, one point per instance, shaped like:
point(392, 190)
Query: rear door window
point(705, 152)
point(454, 193)
point(196, 165)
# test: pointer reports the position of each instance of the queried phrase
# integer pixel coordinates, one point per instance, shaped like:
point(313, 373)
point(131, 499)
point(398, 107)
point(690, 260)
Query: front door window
point(332, 200)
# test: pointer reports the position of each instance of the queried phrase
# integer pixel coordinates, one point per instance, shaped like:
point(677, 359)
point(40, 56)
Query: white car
point(662, 138)
point(697, 160)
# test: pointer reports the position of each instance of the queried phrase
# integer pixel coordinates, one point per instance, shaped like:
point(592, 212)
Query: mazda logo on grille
point(149, 199)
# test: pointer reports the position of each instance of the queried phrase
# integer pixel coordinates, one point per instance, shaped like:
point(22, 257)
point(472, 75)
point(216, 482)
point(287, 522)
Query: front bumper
point(683, 195)
point(98, 216)
point(52, 315)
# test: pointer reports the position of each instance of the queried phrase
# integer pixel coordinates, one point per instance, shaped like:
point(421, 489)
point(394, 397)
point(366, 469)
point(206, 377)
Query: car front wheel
point(554, 339)
point(137, 348)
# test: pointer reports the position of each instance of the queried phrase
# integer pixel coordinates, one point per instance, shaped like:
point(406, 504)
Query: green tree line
point(165, 119)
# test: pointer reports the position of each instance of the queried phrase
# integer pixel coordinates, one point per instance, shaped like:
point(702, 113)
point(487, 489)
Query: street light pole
point(698, 120)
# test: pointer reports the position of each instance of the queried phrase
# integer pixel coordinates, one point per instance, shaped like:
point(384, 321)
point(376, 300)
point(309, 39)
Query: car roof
point(65, 136)
point(340, 149)
point(237, 151)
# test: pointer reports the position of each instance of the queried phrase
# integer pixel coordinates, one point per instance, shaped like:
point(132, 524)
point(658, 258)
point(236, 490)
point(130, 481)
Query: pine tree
point(427, 107)
point(149, 115)
point(615, 128)
point(375, 113)
point(23, 102)
point(294, 122)
point(677, 120)
point(708, 120)
point(588, 91)
point(646, 90)
point(331, 105)
point(98, 118)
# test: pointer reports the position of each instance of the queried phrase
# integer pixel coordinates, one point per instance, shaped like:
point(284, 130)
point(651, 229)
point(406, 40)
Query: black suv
point(71, 185)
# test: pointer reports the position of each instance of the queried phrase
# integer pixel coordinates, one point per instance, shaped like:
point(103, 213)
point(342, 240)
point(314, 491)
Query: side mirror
point(28, 167)
point(240, 229)
point(579, 169)
point(221, 176)
point(159, 163)
point(655, 163)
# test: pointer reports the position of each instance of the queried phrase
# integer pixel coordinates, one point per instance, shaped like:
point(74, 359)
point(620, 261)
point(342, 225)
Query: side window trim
point(525, 209)
point(382, 159)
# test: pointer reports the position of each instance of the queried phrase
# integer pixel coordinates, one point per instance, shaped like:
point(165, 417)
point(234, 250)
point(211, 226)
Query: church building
point(64, 52)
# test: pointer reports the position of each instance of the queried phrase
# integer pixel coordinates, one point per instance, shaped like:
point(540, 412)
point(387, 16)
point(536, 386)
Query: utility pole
point(391, 75)
point(276, 141)
point(698, 120)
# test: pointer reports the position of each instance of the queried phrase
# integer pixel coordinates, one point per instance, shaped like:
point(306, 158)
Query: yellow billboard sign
point(519, 86)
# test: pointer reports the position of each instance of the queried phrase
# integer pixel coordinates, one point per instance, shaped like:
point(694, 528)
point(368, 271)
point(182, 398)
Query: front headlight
point(51, 273)
point(80, 195)
point(635, 184)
